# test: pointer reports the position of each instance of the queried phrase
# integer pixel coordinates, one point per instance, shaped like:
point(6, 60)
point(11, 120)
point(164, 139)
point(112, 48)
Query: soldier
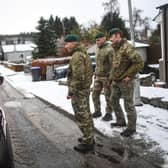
point(104, 56)
point(79, 79)
point(126, 63)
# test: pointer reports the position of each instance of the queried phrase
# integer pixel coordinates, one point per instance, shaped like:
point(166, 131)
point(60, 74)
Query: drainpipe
point(165, 10)
point(137, 98)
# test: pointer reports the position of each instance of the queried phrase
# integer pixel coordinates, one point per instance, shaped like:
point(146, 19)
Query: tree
point(88, 34)
point(58, 26)
point(155, 37)
point(140, 23)
point(112, 18)
point(45, 38)
point(112, 6)
point(71, 25)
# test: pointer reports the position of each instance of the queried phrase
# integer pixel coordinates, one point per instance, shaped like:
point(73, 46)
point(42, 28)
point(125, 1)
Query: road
point(43, 137)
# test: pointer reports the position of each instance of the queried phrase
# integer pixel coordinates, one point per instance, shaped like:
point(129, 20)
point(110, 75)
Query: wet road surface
point(43, 137)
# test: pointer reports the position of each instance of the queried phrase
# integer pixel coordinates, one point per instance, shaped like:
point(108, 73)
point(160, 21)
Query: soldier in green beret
point(79, 79)
point(126, 64)
point(104, 55)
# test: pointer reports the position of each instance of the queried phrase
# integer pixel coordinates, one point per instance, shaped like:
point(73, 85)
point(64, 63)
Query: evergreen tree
point(112, 18)
point(155, 37)
point(58, 26)
point(71, 26)
point(45, 38)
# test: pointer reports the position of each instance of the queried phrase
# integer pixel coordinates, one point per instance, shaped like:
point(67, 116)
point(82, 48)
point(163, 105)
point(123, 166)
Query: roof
point(139, 45)
point(18, 47)
point(162, 6)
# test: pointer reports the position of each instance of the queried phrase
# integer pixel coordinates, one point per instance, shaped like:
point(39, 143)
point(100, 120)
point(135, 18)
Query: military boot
point(80, 140)
point(118, 124)
point(83, 148)
point(128, 132)
point(107, 117)
point(96, 114)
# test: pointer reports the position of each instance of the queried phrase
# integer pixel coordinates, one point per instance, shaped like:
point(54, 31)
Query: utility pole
point(131, 22)
point(137, 98)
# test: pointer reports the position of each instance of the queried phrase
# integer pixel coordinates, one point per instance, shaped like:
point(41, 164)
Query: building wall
point(142, 52)
point(16, 56)
point(154, 54)
point(163, 42)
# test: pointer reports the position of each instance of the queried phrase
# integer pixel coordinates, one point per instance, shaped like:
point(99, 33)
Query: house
point(16, 47)
point(162, 19)
point(16, 39)
point(17, 52)
point(140, 47)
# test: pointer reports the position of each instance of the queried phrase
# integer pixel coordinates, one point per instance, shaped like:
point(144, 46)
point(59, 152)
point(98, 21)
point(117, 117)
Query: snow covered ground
point(152, 123)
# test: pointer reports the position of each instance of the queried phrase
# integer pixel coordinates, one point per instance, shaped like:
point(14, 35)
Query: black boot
point(118, 124)
point(107, 117)
point(83, 148)
point(128, 132)
point(80, 140)
point(96, 114)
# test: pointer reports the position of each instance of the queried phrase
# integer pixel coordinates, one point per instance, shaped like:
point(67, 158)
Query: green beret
point(114, 30)
point(99, 35)
point(71, 38)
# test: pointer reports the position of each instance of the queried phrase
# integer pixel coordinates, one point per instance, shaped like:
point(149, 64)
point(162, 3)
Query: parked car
point(60, 72)
point(5, 144)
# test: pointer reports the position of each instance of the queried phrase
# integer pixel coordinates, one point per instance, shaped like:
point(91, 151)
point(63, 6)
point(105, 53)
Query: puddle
point(12, 104)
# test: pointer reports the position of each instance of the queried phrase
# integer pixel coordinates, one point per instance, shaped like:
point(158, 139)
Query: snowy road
point(152, 127)
point(41, 137)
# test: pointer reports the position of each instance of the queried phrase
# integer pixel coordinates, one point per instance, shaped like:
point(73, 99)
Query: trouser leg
point(115, 100)
point(96, 95)
point(107, 92)
point(83, 117)
point(127, 92)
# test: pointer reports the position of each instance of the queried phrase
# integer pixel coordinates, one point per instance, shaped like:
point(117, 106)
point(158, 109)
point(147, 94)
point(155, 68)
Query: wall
point(154, 54)
point(143, 52)
point(15, 56)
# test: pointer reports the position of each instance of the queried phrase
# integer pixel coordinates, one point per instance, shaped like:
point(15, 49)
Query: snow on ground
point(153, 92)
point(151, 124)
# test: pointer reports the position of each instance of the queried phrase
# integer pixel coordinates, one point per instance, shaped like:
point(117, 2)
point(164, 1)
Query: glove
point(68, 97)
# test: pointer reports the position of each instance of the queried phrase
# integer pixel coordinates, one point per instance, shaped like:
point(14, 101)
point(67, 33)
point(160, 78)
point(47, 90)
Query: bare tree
point(139, 21)
point(112, 6)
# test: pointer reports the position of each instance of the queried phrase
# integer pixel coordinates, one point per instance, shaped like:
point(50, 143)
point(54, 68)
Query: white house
point(18, 52)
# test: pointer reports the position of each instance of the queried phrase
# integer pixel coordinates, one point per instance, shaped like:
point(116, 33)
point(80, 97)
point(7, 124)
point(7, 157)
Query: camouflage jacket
point(80, 71)
point(126, 62)
point(104, 56)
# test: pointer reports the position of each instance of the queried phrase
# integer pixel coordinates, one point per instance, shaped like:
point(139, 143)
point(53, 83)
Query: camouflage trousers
point(99, 85)
point(124, 90)
point(81, 107)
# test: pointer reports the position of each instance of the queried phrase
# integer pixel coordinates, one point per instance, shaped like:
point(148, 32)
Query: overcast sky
point(22, 15)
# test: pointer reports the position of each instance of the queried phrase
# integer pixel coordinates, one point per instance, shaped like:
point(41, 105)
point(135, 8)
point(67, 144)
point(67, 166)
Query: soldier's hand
point(68, 97)
point(126, 79)
point(110, 82)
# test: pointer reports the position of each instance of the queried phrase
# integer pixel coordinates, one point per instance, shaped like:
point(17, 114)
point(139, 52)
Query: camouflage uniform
point(79, 78)
point(126, 63)
point(104, 56)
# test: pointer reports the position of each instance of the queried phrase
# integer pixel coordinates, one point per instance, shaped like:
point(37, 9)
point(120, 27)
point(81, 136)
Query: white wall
point(15, 56)
point(142, 52)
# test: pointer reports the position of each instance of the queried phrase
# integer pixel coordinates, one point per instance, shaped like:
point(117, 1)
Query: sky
point(151, 121)
point(22, 16)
